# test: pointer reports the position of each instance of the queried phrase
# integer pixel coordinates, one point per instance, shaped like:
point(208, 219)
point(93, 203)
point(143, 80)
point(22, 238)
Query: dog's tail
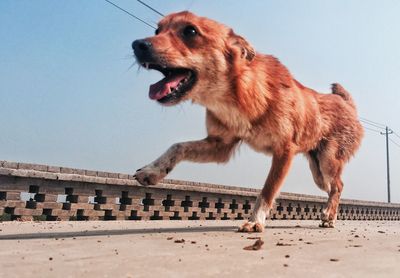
point(337, 89)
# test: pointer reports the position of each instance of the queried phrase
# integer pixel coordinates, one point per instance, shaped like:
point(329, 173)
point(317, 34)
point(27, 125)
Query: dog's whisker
point(131, 66)
point(129, 56)
point(182, 108)
point(138, 68)
point(189, 6)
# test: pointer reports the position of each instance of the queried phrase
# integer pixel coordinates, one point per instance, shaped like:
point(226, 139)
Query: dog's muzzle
point(177, 81)
point(143, 49)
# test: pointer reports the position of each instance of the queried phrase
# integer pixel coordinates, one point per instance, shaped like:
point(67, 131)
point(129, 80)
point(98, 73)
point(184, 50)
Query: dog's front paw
point(251, 227)
point(149, 175)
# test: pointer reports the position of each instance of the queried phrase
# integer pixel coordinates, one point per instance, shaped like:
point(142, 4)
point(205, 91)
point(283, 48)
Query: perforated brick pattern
point(31, 191)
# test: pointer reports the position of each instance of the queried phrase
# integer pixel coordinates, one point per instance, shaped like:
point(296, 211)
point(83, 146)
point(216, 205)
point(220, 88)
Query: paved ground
point(210, 249)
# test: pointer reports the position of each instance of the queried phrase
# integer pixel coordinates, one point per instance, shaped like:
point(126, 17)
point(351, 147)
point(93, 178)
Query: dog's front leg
point(210, 149)
point(280, 165)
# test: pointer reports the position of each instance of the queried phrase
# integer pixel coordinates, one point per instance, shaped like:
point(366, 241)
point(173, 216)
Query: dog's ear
point(237, 43)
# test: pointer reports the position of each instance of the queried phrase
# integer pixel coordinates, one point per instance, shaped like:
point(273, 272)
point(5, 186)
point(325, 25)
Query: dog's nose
point(141, 47)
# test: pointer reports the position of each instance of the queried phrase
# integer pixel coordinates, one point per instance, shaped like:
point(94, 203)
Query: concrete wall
point(32, 191)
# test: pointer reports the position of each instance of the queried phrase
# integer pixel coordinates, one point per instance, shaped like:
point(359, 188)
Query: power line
point(378, 131)
point(371, 129)
point(132, 15)
point(394, 142)
point(372, 122)
point(151, 8)
point(377, 125)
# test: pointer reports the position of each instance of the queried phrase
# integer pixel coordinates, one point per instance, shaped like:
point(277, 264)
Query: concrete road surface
point(198, 249)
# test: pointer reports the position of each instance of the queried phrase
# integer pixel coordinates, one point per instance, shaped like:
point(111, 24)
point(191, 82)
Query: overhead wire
point(371, 129)
point(394, 142)
point(381, 127)
point(372, 124)
point(129, 13)
point(150, 7)
point(376, 124)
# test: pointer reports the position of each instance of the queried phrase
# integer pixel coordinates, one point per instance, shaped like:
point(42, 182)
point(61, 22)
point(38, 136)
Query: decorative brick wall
point(31, 191)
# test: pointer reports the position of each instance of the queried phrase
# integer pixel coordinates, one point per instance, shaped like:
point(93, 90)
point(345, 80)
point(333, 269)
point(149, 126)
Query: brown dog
point(251, 98)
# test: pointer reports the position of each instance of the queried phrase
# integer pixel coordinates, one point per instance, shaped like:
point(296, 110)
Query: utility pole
point(386, 133)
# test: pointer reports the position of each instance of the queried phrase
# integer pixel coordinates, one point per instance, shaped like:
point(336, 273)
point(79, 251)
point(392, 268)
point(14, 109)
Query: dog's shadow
point(118, 232)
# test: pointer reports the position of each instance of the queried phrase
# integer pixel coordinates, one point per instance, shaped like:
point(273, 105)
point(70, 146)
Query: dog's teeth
point(147, 65)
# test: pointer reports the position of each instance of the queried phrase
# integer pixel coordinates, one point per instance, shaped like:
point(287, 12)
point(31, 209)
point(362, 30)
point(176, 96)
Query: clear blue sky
point(69, 96)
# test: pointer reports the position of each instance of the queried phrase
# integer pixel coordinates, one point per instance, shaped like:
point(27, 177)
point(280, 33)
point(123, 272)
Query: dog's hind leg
point(329, 214)
point(331, 169)
point(280, 166)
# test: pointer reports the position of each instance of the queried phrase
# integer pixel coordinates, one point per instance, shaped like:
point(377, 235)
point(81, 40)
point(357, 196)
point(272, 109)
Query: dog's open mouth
point(176, 83)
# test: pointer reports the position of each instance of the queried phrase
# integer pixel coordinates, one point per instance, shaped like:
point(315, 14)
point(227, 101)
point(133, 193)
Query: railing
point(41, 192)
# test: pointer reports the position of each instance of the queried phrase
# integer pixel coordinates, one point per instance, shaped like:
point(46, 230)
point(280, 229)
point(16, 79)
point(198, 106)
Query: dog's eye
point(189, 31)
point(157, 31)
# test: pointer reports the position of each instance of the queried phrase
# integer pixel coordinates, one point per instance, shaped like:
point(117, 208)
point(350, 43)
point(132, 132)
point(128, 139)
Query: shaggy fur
point(252, 98)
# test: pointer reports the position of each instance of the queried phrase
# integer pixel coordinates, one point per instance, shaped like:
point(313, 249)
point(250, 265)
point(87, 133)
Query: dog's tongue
point(163, 87)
